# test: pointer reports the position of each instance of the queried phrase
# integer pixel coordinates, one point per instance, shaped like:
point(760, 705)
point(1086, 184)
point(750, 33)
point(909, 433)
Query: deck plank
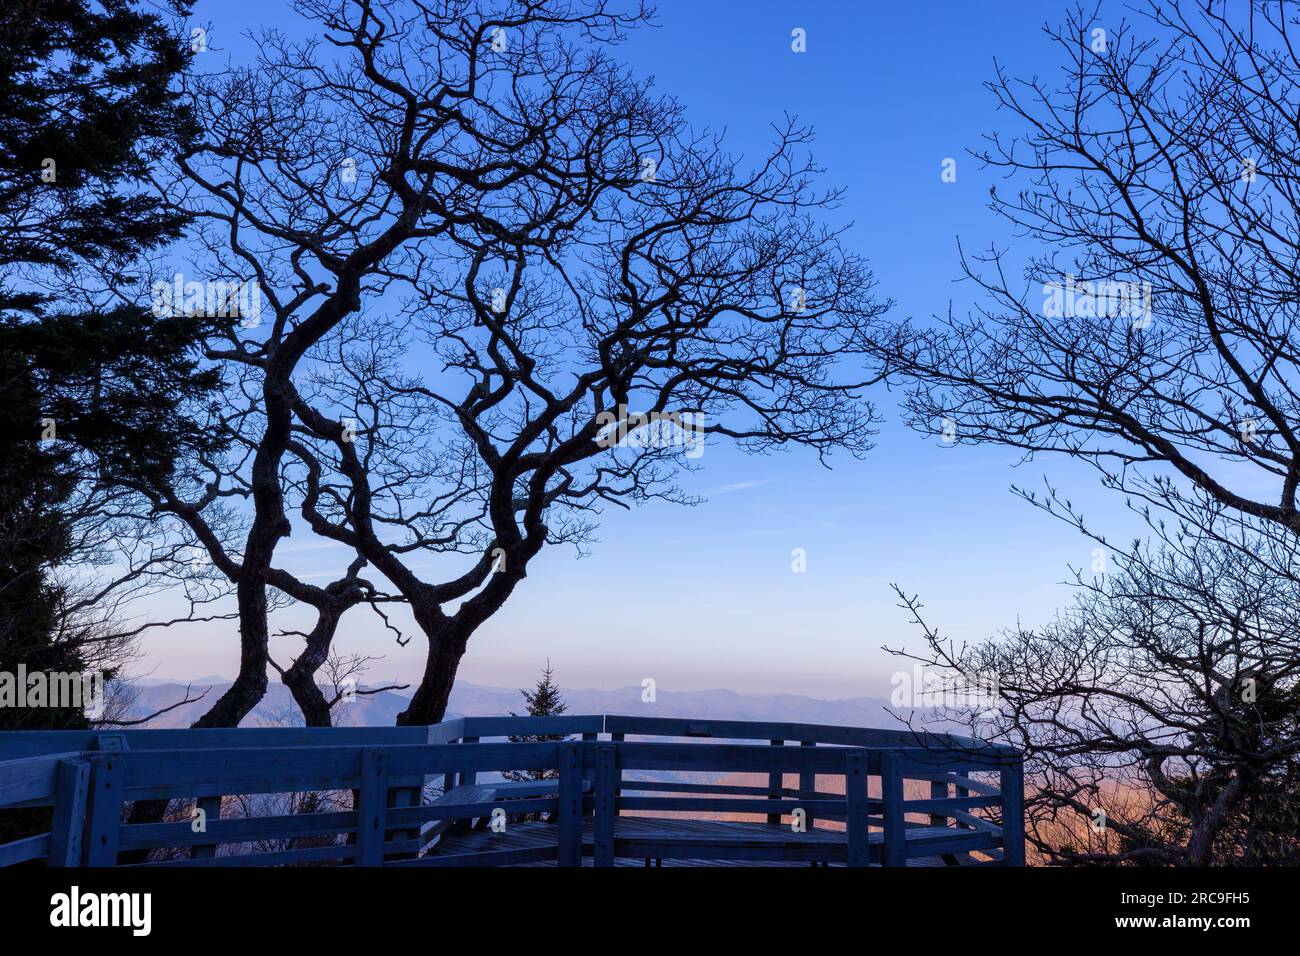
point(704, 833)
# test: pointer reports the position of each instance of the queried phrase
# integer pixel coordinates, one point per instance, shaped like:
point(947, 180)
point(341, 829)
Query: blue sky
point(705, 597)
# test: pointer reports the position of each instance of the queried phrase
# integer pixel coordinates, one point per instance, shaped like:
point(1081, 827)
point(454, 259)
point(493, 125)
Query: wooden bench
point(457, 796)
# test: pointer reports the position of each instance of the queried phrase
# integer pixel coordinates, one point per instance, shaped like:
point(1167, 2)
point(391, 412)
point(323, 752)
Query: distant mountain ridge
point(476, 700)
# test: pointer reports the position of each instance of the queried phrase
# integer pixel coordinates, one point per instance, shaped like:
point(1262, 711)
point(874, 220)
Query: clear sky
point(705, 597)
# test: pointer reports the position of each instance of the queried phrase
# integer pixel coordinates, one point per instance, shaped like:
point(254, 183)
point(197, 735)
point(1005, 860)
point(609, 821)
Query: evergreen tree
point(89, 397)
point(33, 485)
point(86, 98)
point(543, 700)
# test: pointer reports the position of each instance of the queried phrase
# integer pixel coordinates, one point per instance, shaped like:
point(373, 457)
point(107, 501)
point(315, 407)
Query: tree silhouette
point(485, 249)
point(93, 387)
point(1151, 333)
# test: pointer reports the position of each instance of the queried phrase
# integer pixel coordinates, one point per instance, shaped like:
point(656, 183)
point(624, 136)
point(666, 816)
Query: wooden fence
point(404, 793)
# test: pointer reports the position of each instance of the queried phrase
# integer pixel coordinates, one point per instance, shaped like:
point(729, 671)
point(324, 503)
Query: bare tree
point(1154, 325)
point(489, 248)
point(1160, 709)
point(702, 304)
point(323, 180)
point(1151, 334)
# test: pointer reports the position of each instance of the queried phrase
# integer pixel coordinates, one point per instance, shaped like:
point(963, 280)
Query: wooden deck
point(676, 793)
point(635, 835)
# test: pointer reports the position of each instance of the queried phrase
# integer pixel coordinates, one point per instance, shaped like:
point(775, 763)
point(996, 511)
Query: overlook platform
point(619, 790)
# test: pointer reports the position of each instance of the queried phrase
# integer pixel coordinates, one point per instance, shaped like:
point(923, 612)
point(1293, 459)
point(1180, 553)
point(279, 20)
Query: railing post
point(606, 805)
point(855, 795)
point(71, 789)
point(808, 784)
point(938, 791)
point(449, 776)
point(959, 791)
point(590, 737)
point(372, 808)
point(617, 739)
point(891, 793)
point(469, 777)
point(569, 851)
point(405, 797)
point(105, 813)
point(1013, 812)
point(775, 781)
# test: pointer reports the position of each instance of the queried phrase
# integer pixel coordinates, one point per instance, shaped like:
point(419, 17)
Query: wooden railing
point(403, 792)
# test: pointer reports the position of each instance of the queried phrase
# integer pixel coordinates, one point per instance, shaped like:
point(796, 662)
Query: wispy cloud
point(305, 546)
point(735, 486)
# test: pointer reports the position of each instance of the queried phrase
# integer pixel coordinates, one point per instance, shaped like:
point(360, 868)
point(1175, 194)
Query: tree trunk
point(315, 708)
point(300, 678)
point(251, 683)
point(429, 703)
point(1200, 848)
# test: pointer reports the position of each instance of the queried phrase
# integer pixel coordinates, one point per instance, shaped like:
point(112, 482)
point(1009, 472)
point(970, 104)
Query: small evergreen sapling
point(543, 700)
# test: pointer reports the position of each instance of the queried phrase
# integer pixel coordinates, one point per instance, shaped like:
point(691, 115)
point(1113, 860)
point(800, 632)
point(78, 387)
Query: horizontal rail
point(738, 758)
point(408, 816)
point(29, 848)
point(795, 732)
point(30, 781)
point(958, 780)
point(978, 823)
point(237, 830)
point(668, 786)
point(29, 743)
point(946, 805)
point(532, 726)
point(829, 809)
